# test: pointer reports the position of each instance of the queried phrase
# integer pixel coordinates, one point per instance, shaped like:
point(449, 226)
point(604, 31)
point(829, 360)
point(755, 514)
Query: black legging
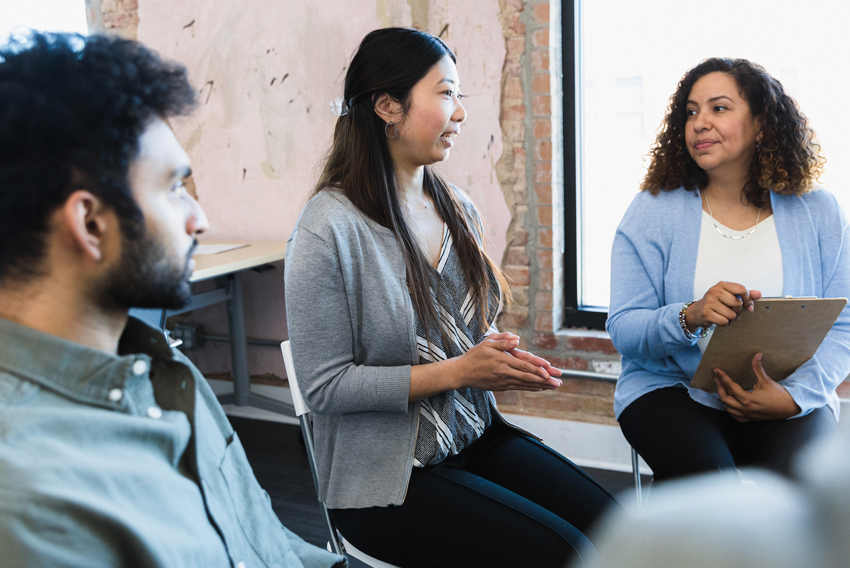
point(506, 500)
point(678, 436)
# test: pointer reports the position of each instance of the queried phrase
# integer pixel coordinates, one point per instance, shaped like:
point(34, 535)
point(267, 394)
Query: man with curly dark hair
point(729, 213)
point(113, 449)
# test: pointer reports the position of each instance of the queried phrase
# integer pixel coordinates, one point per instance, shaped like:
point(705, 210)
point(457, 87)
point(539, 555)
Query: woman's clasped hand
point(497, 364)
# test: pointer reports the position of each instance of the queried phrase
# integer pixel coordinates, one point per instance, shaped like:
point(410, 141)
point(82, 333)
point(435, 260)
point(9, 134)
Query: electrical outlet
point(191, 335)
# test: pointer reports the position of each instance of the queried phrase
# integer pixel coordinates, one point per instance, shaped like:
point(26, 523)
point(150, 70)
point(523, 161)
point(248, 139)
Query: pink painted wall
point(266, 71)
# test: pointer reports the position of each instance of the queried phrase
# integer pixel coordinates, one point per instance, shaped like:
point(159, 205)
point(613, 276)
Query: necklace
point(724, 235)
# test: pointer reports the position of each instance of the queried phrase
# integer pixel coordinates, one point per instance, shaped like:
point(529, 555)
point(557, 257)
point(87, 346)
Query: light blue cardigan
point(652, 275)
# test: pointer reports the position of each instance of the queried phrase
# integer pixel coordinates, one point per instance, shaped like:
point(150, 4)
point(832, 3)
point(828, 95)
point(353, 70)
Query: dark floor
point(280, 464)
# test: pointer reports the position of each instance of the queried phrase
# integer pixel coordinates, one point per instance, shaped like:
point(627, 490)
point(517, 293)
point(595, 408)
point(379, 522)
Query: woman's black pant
point(678, 436)
point(506, 500)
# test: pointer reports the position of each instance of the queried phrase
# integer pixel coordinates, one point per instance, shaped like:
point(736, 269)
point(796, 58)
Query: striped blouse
point(452, 420)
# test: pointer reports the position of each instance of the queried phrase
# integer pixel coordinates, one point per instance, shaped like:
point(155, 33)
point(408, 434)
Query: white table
point(226, 268)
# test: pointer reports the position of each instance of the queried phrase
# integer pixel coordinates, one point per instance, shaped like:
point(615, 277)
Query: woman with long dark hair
point(391, 304)
point(729, 213)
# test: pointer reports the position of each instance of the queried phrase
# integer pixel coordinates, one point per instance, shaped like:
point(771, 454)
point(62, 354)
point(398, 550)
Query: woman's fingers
point(732, 388)
point(762, 379)
point(502, 335)
point(744, 297)
point(732, 404)
point(504, 344)
point(526, 356)
point(531, 374)
point(754, 295)
point(546, 369)
point(497, 364)
point(718, 315)
point(724, 302)
point(731, 394)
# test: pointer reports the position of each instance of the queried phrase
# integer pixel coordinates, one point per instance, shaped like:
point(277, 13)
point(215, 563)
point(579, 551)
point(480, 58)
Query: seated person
point(391, 301)
point(729, 213)
point(113, 449)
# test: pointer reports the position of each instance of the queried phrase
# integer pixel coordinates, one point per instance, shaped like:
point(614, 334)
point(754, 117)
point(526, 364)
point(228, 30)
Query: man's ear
point(87, 221)
point(388, 108)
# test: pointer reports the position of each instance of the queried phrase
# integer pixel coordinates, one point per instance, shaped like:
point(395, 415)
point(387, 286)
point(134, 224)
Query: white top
point(755, 261)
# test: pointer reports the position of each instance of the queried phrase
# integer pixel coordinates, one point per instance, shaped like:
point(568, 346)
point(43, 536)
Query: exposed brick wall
point(511, 168)
point(528, 173)
point(120, 17)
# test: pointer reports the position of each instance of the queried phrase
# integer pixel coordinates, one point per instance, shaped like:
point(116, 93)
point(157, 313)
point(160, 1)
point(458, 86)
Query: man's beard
point(147, 277)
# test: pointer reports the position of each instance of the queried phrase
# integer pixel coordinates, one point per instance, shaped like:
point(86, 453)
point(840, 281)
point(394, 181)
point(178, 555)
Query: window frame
point(574, 314)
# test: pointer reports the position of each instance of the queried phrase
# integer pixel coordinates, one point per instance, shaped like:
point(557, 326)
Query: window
point(42, 15)
point(621, 63)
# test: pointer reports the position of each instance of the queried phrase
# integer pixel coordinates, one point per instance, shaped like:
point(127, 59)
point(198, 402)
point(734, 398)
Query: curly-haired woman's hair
point(359, 164)
point(788, 160)
point(72, 109)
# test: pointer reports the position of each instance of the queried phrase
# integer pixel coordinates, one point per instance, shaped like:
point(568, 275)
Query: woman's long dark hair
point(788, 161)
point(392, 61)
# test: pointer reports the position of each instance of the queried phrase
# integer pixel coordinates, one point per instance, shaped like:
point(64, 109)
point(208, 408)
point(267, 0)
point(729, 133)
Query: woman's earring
point(758, 146)
point(387, 129)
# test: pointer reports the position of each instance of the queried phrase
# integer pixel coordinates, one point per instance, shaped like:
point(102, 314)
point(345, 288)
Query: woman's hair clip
point(339, 106)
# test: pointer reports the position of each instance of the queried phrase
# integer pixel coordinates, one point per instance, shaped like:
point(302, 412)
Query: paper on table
point(215, 249)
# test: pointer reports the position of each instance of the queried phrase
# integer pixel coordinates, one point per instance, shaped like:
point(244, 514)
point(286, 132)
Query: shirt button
point(115, 395)
point(140, 367)
point(155, 412)
point(241, 565)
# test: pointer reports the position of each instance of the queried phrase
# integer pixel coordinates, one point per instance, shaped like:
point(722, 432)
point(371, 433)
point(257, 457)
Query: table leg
point(239, 358)
point(238, 343)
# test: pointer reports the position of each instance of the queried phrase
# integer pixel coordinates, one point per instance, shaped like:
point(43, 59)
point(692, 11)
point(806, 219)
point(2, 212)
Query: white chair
point(336, 542)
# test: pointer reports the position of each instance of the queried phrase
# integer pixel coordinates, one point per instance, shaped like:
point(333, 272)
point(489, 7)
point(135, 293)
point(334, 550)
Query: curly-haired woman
point(728, 213)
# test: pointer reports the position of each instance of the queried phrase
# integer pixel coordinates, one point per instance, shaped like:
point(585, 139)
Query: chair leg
point(307, 431)
point(333, 538)
point(636, 473)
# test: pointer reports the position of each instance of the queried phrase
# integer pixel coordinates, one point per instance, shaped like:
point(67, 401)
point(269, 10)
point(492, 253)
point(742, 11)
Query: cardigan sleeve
point(640, 323)
point(813, 384)
point(318, 311)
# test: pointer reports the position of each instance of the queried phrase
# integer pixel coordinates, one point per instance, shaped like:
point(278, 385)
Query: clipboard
point(787, 330)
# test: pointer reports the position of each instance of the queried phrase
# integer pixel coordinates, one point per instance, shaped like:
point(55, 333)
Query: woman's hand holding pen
point(720, 306)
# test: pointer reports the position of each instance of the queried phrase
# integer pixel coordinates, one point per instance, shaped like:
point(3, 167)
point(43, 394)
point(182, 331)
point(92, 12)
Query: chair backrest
point(297, 399)
point(337, 542)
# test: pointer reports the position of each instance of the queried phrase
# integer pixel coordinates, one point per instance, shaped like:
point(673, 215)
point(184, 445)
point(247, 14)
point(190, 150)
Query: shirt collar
point(78, 372)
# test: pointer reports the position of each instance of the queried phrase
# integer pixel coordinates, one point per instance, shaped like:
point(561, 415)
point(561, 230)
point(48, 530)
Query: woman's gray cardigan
point(352, 334)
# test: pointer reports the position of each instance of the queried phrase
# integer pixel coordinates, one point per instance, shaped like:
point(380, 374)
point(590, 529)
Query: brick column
point(511, 168)
point(533, 260)
point(120, 17)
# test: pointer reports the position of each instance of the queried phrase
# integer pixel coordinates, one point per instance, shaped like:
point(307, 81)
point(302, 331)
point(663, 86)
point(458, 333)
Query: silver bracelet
point(683, 323)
